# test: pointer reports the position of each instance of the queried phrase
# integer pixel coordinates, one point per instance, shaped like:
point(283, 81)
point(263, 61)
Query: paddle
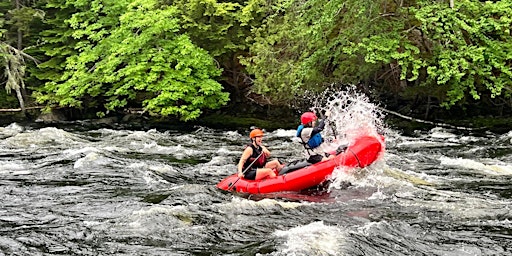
point(243, 173)
point(332, 126)
point(341, 148)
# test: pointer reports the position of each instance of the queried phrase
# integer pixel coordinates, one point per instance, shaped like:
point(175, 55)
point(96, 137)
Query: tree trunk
point(22, 102)
point(19, 93)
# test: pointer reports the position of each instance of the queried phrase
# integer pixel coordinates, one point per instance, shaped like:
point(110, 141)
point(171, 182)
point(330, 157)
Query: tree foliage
point(214, 26)
point(179, 57)
point(14, 26)
point(304, 46)
point(222, 29)
point(57, 44)
point(471, 47)
point(14, 67)
point(134, 49)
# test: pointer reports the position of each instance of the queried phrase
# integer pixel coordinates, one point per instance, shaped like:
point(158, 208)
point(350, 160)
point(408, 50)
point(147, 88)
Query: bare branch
point(20, 52)
point(19, 109)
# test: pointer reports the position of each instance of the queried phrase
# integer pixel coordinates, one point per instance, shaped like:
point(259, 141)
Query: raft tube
point(362, 152)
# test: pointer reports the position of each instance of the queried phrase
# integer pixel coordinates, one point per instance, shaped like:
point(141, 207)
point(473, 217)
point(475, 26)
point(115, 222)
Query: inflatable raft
point(302, 175)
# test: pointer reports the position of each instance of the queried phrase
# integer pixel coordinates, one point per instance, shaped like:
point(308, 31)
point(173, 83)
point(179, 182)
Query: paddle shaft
point(332, 127)
point(243, 173)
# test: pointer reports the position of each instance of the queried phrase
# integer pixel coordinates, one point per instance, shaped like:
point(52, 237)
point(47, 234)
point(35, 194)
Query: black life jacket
point(260, 162)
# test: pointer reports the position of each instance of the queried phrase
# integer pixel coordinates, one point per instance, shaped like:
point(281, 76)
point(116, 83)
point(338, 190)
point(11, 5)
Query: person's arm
point(265, 150)
point(245, 155)
point(319, 128)
point(321, 124)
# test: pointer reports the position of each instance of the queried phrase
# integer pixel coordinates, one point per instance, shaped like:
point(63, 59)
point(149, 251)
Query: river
point(76, 190)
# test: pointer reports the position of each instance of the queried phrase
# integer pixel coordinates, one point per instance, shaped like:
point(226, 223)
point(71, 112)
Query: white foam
point(11, 130)
point(232, 135)
point(239, 204)
point(313, 239)
point(11, 166)
point(494, 169)
point(79, 151)
point(441, 133)
point(222, 151)
point(91, 159)
point(284, 133)
point(42, 137)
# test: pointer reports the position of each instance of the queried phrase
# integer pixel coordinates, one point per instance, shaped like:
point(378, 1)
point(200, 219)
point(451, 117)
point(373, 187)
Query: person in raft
point(311, 138)
point(254, 164)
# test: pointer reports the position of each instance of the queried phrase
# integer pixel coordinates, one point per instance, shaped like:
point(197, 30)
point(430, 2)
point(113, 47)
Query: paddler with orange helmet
point(254, 164)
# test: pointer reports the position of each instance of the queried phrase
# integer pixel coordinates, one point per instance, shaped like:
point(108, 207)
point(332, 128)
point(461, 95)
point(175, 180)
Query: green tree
point(14, 70)
point(133, 50)
point(14, 26)
point(305, 46)
point(404, 47)
point(57, 41)
point(470, 48)
point(222, 28)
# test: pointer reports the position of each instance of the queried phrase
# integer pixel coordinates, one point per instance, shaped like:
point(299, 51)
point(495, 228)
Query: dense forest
point(185, 58)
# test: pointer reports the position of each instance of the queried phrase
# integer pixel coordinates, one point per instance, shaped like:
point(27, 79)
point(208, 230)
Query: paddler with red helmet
point(254, 164)
point(311, 138)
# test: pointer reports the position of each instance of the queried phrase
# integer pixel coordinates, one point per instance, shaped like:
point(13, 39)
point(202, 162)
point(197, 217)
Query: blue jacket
point(316, 138)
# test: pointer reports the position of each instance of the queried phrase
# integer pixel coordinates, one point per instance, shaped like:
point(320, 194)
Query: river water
point(75, 190)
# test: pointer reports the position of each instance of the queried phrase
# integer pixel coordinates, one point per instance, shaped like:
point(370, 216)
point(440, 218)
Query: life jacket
point(256, 152)
point(313, 142)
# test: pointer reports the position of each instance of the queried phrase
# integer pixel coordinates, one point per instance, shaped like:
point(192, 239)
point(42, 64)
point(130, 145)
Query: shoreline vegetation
point(232, 63)
point(227, 119)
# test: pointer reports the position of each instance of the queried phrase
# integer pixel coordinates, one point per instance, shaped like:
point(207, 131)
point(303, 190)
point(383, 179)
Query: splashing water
point(352, 114)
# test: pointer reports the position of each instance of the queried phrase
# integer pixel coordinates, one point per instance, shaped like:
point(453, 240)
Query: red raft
point(300, 176)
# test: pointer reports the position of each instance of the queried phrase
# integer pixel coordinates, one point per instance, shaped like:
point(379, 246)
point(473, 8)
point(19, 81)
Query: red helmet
point(308, 117)
point(255, 133)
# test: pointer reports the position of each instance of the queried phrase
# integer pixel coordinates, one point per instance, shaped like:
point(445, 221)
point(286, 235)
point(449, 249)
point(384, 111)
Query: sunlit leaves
point(220, 27)
point(112, 54)
point(304, 46)
point(143, 55)
point(465, 51)
point(471, 47)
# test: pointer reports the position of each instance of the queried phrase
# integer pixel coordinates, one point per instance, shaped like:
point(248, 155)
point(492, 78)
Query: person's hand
point(266, 152)
point(240, 175)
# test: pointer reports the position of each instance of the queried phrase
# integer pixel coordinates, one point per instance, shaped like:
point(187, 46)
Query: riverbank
point(285, 119)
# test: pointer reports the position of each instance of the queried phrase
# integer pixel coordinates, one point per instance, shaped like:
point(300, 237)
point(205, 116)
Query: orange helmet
point(308, 117)
point(256, 133)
